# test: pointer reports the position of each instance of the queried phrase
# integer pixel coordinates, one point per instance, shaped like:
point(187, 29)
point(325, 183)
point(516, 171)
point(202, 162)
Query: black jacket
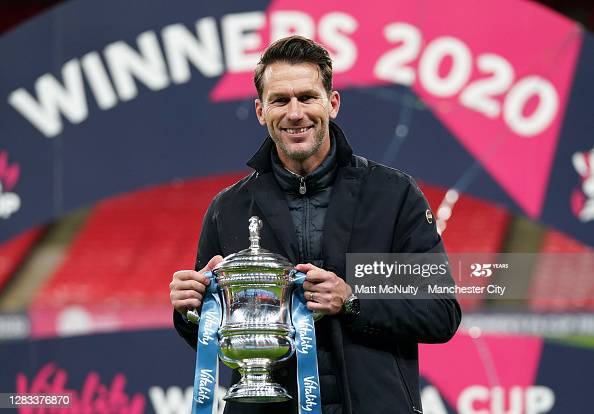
point(373, 209)
point(308, 198)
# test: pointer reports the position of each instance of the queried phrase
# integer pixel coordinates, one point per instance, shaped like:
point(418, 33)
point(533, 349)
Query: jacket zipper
point(305, 220)
point(302, 188)
point(410, 399)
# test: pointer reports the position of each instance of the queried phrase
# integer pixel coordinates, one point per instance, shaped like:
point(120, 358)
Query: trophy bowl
point(256, 333)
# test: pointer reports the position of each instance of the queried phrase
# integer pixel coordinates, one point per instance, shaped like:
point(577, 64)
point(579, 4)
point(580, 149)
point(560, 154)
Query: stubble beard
point(305, 154)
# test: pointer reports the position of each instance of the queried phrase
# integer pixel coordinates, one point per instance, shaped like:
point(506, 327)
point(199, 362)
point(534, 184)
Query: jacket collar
point(322, 177)
point(261, 161)
point(271, 200)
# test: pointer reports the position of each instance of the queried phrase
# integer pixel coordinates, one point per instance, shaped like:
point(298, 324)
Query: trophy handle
point(192, 316)
point(317, 316)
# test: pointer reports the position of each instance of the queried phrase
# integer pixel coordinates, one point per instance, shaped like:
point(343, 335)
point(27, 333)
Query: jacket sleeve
point(208, 246)
point(432, 320)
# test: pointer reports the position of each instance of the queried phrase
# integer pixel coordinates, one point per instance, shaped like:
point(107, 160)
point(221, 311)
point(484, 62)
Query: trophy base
point(257, 393)
point(256, 384)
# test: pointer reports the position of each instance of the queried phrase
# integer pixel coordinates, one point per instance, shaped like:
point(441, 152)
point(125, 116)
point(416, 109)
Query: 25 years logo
point(10, 202)
point(481, 270)
point(486, 269)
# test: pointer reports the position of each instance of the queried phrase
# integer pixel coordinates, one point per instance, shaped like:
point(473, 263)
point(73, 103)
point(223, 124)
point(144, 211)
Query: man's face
point(296, 109)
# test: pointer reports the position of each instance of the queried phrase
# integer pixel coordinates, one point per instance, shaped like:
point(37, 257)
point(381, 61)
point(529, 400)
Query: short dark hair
point(294, 50)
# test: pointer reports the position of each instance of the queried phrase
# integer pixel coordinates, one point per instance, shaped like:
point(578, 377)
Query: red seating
point(13, 252)
point(130, 246)
point(563, 278)
point(474, 227)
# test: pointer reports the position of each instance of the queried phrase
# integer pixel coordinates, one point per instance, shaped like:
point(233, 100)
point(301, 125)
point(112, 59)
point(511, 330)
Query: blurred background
point(119, 121)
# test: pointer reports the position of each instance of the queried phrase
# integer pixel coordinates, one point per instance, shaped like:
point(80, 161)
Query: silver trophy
point(256, 333)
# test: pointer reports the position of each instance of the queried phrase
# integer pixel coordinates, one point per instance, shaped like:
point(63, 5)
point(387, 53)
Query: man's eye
point(306, 98)
point(279, 100)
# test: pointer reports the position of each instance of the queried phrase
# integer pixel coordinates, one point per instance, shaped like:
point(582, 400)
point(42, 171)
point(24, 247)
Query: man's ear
point(260, 111)
point(334, 104)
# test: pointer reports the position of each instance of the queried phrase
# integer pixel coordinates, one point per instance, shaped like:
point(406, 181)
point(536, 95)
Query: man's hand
point(325, 292)
point(188, 286)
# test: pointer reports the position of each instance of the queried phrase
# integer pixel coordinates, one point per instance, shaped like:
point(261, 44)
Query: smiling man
point(296, 108)
point(319, 202)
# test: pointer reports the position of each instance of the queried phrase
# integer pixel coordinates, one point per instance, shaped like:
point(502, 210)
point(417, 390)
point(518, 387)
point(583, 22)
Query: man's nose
point(295, 109)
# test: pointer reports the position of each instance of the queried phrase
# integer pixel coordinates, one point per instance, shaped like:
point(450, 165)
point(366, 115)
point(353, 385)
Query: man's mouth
point(295, 131)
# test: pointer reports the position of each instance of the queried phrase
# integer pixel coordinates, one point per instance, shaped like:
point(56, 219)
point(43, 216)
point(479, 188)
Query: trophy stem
point(256, 384)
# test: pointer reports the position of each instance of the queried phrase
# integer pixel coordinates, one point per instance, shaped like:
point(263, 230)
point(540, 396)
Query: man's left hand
point(325, 292)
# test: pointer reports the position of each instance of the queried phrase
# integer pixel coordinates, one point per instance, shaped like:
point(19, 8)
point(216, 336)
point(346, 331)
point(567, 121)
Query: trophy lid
point(254, 257)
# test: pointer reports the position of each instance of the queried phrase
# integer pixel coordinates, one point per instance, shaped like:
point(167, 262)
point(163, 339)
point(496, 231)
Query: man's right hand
point(188, 286)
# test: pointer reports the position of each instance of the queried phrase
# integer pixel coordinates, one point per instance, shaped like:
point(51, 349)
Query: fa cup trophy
point(255, 314)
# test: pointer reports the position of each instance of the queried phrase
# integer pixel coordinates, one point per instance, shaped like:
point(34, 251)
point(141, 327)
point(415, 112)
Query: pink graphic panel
point(490, 361)
point(539, 45)
point(500, 85)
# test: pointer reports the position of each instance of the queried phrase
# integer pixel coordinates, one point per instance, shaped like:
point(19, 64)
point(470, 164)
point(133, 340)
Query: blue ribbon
point(308, 380)
point(207, 373)
point(206, 377)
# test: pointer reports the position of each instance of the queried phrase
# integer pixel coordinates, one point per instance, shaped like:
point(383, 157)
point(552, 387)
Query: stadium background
point(111, 205)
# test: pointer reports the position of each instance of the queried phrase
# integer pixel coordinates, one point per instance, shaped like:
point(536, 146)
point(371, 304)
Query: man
point(318, 202)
